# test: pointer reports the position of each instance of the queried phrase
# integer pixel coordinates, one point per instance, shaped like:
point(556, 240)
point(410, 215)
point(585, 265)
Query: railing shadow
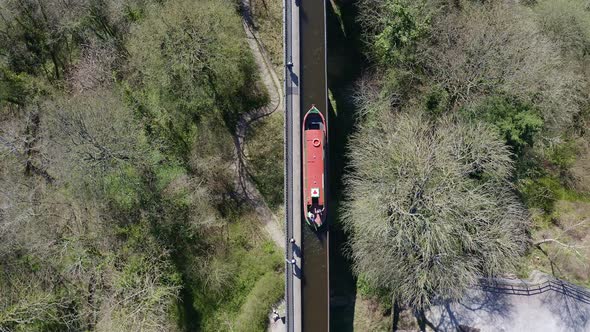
point(493, 301)
point(558, 286)
point(495, 305)
point(573, 313)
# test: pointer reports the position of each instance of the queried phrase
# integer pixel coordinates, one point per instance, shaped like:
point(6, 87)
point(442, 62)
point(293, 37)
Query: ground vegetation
point(505, 80)
point(118, 208)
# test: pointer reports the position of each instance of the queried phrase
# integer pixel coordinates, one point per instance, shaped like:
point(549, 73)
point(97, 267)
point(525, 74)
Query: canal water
point(345, 65)
point(315, 297)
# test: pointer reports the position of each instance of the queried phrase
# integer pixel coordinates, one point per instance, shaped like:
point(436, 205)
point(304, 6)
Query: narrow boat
point(314, 152)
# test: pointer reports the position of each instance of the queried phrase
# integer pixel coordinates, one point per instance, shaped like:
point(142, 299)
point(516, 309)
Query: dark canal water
point(345, 64)
point(331, 58)
point(315, 297)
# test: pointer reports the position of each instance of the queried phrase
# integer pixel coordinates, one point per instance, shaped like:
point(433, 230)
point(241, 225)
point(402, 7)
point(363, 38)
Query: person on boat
point(318, 217)
point(310, 216)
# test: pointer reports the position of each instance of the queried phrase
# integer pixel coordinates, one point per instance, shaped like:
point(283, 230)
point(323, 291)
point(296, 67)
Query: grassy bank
point(268, 18)
point(563, 238)
point(251, 270)
point(264, 150)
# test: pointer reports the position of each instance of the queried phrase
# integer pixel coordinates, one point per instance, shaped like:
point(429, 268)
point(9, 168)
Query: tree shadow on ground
point(461, 316)
point(572, 311)
point(567, 306)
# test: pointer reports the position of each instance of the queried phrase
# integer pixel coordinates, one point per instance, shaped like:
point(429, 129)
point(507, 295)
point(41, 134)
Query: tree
point(567, 23)
point(93, 269)
point(518, 123)
point(192, 66)
point(44, 37)
point(115, 163)
point(91, 136)
point(429, 208)
point(46, 31)
point(394, 27)
point(498, 49)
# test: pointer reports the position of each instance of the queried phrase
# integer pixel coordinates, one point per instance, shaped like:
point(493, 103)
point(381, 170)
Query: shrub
point(124, 188)
point(264, 146)
point(436, 100)
point(253, 315)
point(540, 193)
point(518, 123)
point(394, 27)
point(497, 49)
point(563, 155)
point(567, 23)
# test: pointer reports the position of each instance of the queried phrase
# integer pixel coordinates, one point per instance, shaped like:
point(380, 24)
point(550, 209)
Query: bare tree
point(429, 208)
point(96, 68)
point(498, 48)
point(92, 133)
point(567, 23)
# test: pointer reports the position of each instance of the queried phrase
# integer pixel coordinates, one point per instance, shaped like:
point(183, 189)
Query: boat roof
point(314, 163)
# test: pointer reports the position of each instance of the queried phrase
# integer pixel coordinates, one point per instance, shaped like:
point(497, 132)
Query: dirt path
point(267, 74)
point(272, 225)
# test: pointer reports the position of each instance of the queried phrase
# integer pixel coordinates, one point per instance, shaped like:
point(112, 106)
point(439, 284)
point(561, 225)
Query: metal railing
point(288, 185)
point(526, 289)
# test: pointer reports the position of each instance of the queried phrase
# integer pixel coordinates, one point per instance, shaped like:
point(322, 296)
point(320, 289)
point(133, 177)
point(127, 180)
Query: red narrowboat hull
point(314, 168)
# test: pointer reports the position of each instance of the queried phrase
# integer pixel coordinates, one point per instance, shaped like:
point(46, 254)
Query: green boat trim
point(314, 110)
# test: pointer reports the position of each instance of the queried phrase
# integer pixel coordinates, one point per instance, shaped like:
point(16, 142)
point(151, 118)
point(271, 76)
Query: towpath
point(271, 223)
point(271, 82)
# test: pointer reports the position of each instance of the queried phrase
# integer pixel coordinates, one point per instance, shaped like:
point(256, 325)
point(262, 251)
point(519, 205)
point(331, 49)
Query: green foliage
point(44, 49)
point(106, 284)
point(366, 289)
point(19, 88)
point(193, 66)
point(517, 123)
point(250, 283)
point(45, 38)
point(544, 176)
point(520, 71)
point(145, 285)
point(544, 192)
point(123, 188)
point(541, 193)
point(493, 50)
point(266, 15)
point(34, 312)
point(175, 186)
point(166, 174)
point(98, 148)
point(398, 25)
point(563, 155)
point(120, 226)
point(253, 315)
point(134, 11)
point(143, 256)
point(436, 101)
point(265, 140)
